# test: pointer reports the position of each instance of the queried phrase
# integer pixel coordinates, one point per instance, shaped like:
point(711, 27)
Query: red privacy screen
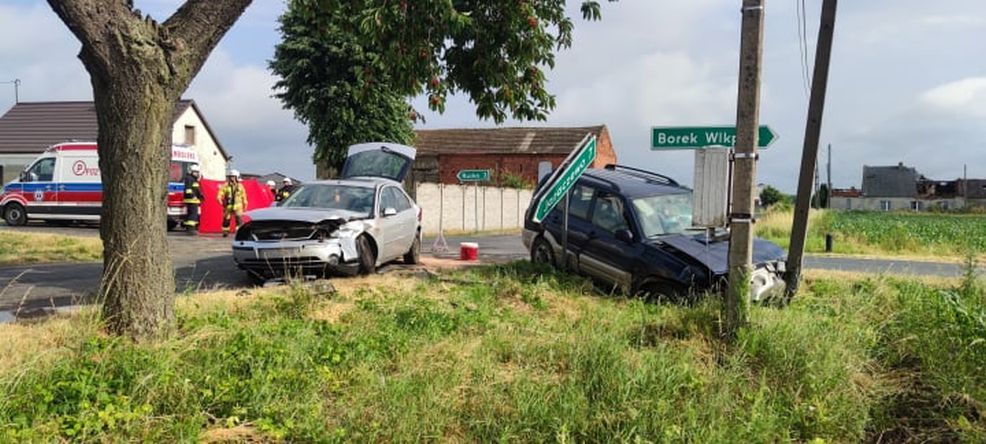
point(258, 196)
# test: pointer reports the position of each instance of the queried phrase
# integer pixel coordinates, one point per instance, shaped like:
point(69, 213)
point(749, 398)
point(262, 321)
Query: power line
point(801, 19)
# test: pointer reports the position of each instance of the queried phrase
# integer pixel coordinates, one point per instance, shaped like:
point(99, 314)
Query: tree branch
point(194, 30)
point(92, 23)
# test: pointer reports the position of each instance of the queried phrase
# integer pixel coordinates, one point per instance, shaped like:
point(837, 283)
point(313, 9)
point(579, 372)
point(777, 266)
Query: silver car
point(347, 226)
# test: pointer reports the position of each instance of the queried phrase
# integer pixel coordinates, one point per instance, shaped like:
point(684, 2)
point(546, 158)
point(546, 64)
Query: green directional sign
point(473, 175)
point(564, 179)
point(689, 137)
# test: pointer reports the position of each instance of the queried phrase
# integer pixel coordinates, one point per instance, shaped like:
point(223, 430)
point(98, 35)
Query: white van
point(64, 184)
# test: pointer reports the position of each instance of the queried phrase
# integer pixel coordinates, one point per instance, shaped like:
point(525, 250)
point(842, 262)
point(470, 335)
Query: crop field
point(906, 234)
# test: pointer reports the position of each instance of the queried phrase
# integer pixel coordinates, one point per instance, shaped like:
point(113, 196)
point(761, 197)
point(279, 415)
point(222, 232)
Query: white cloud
point(963, 98)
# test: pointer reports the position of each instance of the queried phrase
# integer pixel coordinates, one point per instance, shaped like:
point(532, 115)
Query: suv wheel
point(14, 214)
point(541, 252)
point(367, 258)
point(660, 291)
point(413, 256)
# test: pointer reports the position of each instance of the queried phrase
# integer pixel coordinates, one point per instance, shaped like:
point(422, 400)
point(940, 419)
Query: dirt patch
point(238, 434)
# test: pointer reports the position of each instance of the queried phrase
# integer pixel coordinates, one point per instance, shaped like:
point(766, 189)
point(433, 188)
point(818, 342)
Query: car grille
point(277, 231)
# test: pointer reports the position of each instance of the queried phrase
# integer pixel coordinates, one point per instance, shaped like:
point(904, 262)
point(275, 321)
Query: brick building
point(443, 153)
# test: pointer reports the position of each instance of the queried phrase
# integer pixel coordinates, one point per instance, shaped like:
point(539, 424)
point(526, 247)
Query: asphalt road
point(204, 262)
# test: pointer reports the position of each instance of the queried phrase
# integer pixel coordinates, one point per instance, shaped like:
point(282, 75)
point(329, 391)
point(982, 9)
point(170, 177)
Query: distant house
point(899, 187)
point(517, 152)
point(28, 128)
point(277, 177)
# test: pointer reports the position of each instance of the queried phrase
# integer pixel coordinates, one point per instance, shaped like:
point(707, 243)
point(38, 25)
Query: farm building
point(902, 188)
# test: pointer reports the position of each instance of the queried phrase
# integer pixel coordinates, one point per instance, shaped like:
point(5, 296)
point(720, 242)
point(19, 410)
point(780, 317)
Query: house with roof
point(28, 128)
point(516, 152)
point(899, 187)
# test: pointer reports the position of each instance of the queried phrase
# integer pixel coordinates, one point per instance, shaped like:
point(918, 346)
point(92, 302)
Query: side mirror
point(625, 236)
point(387, 212)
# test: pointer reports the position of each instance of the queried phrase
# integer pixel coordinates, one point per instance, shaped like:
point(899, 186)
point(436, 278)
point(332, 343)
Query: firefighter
point(286, 189)
point(233, 199)
point(193, 199)
point(272, 186)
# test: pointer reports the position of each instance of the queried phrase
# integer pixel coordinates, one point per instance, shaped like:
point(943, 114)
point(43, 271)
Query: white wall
point(496, 208)
point(896, 203)
point(211, 160)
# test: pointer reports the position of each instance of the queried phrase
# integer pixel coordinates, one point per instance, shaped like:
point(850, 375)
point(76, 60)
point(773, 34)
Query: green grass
point(510, 353)
point(894, 234)
point(26, 248)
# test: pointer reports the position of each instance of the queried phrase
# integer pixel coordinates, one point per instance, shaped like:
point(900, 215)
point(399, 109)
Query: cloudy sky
point(908, 82)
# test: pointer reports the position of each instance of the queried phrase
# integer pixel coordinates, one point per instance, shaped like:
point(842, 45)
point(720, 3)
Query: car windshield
point(334, 197)
point(667, 214)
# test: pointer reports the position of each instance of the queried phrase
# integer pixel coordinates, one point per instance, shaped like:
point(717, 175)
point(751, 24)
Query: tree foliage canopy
point(321, 64)
point(494, 51)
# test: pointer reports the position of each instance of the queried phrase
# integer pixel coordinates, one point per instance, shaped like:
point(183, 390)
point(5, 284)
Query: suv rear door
point(580, 201)
point(377, 159)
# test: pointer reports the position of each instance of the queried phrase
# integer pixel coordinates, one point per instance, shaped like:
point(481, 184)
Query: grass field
point(892, 234)
point(510, 354)
point(27, 248)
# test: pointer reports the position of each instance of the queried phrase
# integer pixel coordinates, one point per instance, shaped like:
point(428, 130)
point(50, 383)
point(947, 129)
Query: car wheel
point(660, 291)
point(413, 256)
point(15, 215)
point(367, 257)
point(541, 252)
point(256, 278)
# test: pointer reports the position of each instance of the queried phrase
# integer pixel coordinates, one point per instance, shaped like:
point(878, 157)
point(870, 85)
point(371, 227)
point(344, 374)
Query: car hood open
point(312, 215)
point(715, 254)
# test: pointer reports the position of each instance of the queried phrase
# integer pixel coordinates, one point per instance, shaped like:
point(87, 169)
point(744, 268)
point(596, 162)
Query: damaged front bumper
point(767, 282)
point(305, 257)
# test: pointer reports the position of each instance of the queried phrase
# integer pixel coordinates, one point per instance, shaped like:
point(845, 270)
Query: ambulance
point(64, 184)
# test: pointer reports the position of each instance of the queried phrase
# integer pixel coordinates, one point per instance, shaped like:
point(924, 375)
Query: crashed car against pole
point(345, 226)
point(632, 229)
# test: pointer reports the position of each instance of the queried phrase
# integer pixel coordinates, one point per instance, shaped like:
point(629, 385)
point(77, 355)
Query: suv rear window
point(580, 201)
point(608, 214)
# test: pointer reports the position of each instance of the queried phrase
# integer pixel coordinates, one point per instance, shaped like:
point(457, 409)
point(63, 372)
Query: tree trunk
point(139, 69)
point(134, 152)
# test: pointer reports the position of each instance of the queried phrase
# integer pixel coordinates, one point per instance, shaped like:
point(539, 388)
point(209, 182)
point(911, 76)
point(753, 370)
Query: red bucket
point(468, 251)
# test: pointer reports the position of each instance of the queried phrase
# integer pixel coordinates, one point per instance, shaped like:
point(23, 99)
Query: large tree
point(496, 51)
point(138, 69)
point(323, 79)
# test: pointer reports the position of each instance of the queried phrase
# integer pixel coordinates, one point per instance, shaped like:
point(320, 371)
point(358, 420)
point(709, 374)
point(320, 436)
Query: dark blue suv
point(633, 229)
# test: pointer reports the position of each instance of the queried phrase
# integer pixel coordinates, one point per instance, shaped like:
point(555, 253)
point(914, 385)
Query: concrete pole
point(809, 156)
point(828, 192)
point(745, 167)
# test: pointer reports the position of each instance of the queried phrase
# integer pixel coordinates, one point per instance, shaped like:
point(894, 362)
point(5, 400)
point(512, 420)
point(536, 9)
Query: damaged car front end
point(272, 247)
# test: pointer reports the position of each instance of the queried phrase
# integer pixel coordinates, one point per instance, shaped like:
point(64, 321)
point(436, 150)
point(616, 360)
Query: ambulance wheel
point(14, 214)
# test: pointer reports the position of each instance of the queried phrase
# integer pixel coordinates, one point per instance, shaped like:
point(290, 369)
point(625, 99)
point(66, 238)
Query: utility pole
point(816, 201)
point(809, 156)
point(828, 189)
point(744, 167)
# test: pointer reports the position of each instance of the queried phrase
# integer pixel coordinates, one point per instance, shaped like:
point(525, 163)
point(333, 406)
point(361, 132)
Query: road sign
point(688, 137)
point(473, 175)
point(562, 180)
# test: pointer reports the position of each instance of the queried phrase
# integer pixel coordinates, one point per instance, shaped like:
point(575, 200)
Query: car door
point(579, 226)
point(395, 234)
point(604, 256)
point(377, 159)
point(40, 189)
point(407, 221)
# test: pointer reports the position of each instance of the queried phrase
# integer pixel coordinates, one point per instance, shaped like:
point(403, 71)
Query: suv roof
point(632, 182)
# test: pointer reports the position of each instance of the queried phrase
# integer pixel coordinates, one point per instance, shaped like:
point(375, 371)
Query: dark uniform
point(284, 193)
point(193, 199)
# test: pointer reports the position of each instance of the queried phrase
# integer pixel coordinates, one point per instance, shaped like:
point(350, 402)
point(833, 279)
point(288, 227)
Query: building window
point(915, 205)
point(189, 135)
point(885, 205)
